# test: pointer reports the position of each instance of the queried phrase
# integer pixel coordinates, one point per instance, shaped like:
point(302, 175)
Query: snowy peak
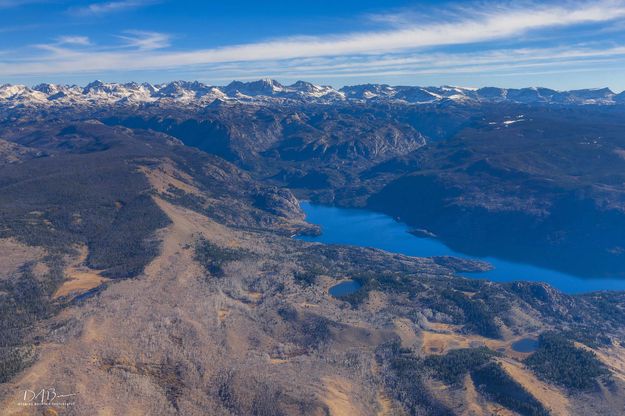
point(369, 91)
point(265, 91)
point(266, 87)
point(587, 96)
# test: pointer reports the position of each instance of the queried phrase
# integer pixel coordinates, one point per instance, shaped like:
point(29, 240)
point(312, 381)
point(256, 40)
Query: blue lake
point(371, 229)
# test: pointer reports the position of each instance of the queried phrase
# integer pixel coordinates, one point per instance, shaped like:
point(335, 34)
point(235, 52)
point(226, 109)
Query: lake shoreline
point(366, 228)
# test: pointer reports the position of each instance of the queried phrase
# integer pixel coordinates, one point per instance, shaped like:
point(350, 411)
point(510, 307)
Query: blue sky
point(563, 45)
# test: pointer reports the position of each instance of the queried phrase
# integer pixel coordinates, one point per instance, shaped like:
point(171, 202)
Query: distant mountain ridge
point(192, 93)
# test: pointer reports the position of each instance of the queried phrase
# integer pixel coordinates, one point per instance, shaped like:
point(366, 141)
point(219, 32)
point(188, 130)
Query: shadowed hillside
point(165, 278)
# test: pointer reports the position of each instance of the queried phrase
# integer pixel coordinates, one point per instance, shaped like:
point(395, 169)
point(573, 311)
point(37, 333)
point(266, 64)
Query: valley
point(547, 190)
point(153, 268)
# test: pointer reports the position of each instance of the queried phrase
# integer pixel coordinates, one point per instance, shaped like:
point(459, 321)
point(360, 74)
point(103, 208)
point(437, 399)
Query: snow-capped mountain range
point(99, 93)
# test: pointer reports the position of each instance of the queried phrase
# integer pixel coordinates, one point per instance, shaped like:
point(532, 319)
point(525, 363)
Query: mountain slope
point(166, 279)
point(267, 91)
point(541, 185)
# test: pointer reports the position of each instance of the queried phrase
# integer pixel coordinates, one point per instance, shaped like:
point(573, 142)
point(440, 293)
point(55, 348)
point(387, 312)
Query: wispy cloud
point(486, 63)
point(6, 4)
point(145, 41)
point(18, 28)
point(110, 7)
point(404, 47)
point(74, 40)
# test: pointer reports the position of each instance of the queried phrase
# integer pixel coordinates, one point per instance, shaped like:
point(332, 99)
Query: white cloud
point(383, 51)
point(145, 41)
point(487, 26)
point(110, 7)
point(6, 4)
point(74, 40)
point(481, 63)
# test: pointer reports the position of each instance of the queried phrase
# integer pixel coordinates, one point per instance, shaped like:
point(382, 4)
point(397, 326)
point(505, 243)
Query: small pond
point(344, 288)
point(525, 345)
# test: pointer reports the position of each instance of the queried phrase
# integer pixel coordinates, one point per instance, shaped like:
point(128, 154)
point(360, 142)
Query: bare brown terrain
point(223, 313)
point(163, 342)
point(119, 351)
point(80, 278)
point(15, 254)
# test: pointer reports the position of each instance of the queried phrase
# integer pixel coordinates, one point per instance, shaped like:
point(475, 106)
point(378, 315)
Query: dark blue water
point(525, 345)
point(371, 229)
point(344, 288)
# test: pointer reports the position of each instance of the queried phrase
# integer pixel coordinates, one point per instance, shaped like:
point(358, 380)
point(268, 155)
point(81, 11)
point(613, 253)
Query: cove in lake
point(344, 288)
point(371, 229)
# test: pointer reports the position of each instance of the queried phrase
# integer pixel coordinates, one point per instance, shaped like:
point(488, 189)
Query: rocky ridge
point(269, 91)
